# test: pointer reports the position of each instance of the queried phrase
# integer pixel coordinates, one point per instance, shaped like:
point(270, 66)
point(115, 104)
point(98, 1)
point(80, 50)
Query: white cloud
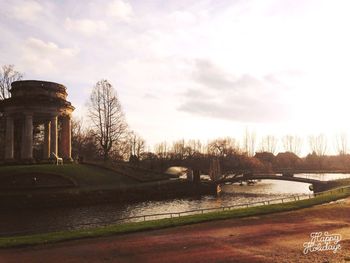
point(243, 42)
point(86, 27)
point(27, 11)
point(46, 57)
point(120, 10)
point(235, 98)
point(183, 18)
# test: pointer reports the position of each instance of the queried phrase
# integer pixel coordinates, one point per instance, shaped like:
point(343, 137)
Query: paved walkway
point(272, 238)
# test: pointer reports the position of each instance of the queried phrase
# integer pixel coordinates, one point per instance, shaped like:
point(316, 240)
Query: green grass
point(340, 182)
point(164, 223)
point(84, 175)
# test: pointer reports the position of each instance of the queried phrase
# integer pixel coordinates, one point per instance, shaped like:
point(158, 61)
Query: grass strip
point(30, 240)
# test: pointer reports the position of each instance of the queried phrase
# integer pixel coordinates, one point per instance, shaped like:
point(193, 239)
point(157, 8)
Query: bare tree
point(161, 150)
point(318, 144)
point(8, 74)
point(178, 149)
point(193, 147)
point(223, 146)
point(78, 137)
point(341, 144)
point(107, 117)
point(268, 144)
point(292, 144)
point(137, 144)
point(249, 140)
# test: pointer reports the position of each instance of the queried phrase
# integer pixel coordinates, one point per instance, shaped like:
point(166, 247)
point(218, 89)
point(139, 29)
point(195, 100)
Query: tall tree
point(318, 144)
point(193, 147)
point(137, 144)
point(107, 117)
point(161, 150)
point(249, 139)
point(8, 74)
point(178, 149)
point(223, 147)
point(268, 144)
point(341, 144)
point(292, 144)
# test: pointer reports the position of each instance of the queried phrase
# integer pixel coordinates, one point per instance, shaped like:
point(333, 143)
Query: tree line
point(107, 136)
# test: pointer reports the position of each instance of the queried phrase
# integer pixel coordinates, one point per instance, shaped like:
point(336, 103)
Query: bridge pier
point(196, 176)
point(189, 175)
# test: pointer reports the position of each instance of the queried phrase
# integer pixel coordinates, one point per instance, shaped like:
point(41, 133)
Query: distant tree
point(78, 137)
point(137, 145)
point(121, 150)
point(84, 145)
point(178, 149)
point(292, 144)
point(318, 144)
point(223, 147)
point(268, 144)
point(161, 150)
point(90, 149)
point(109, 124)
point(249, 140)
point(193, 147)
point(8, 74)
point(341, 144)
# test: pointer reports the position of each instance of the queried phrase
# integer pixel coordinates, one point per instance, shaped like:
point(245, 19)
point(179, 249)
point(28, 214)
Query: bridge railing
point(169, 215)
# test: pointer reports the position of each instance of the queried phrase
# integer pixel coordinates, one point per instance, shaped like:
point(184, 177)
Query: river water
point(25, 221)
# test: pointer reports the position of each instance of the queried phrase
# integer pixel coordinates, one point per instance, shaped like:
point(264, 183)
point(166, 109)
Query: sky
point(193, 69)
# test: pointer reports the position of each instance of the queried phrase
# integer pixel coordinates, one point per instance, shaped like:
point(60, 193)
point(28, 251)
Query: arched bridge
point(317, 185)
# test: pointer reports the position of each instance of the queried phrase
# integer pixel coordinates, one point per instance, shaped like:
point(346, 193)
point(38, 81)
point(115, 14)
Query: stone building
point(36, 103)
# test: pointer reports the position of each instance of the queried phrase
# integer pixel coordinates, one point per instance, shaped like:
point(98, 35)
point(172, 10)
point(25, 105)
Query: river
point(28, 221)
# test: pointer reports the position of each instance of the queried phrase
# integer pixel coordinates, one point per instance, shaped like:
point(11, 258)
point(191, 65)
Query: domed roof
point(36, 94)
point(34, 88)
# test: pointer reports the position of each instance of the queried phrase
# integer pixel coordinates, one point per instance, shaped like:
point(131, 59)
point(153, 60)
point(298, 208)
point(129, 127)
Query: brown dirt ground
point(271, 238)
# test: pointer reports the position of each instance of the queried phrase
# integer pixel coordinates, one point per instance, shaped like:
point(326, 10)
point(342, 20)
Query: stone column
point(27, 140)
point(66, 140)
point(9, 151)
point(47, 140)
point(54, 135)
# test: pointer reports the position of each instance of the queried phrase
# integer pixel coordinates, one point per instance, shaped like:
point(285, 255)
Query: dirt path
point(271, 238)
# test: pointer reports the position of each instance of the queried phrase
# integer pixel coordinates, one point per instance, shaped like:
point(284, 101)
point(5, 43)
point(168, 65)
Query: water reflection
point(43, 220)
point(324, 176)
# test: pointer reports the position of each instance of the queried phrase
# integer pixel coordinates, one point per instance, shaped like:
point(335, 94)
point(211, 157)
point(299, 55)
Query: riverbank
point(81, 184)
point(68, 197)
point(171, 222)
point(262, 238)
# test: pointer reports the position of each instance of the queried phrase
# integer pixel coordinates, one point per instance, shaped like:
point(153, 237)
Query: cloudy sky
point(193, 70)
